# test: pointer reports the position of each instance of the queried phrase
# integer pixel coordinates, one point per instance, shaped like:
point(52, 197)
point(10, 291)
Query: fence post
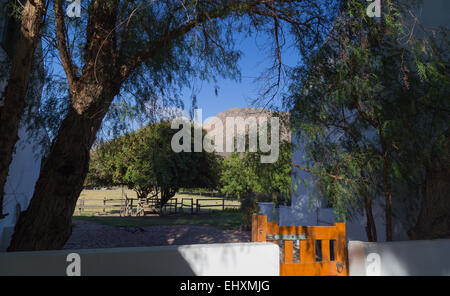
point(81, 205)
point(259, 227)
point(341, 252)
point(223, 204)
point(131, 208)
point(192, 206)
point(198, 206)
point(104, 205)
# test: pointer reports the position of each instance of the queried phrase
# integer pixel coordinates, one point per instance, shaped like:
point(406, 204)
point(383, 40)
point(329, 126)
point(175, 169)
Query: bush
point(249, 206)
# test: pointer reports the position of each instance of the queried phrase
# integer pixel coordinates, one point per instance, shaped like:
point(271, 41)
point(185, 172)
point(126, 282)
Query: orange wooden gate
point(305, 250)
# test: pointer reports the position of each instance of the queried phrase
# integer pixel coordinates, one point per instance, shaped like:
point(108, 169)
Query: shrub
point(249, 206)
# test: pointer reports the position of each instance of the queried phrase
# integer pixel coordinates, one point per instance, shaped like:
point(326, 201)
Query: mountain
point(246, 113)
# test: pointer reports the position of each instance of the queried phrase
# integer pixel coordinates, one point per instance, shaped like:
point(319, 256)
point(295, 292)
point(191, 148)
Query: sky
point(255, 59)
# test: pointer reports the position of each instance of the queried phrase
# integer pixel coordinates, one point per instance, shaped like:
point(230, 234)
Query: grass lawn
point(95, 197)
point(228, 219)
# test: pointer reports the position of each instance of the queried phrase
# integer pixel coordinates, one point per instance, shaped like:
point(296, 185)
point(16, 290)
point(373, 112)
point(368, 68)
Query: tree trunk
point(387, 188)
point(388, 209)
point(14, 95)
point(434, 217)
point(166, 195)
point(371, 229)
point(47, 222)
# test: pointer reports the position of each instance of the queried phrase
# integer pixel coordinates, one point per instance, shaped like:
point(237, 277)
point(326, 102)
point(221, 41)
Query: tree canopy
point(243, 173)
point(372, 108)
point(145, 162)
point(133, 54)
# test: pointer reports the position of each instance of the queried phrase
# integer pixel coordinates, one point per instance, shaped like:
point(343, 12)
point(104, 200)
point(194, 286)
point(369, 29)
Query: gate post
point(259, 227)
point(341, 252)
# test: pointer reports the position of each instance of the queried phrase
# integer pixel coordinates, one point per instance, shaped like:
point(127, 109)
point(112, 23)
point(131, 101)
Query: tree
point(145, 162)
point(126, 45)
point(237, 178)
point(433, 220)
point(14, 101)
point(243, 173)
point(371, 107)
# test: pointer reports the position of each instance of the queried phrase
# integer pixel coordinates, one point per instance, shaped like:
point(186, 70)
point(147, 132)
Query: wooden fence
point(305, 250)
point(133, 207)
point(110, 204)
point(199, 206)
point(170, 207)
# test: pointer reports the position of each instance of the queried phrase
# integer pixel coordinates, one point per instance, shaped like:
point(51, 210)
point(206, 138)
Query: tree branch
point(312, 172)
point(215, 12)
point(62, 45)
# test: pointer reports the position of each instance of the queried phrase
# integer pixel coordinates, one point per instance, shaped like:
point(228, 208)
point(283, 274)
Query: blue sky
point(255, 59)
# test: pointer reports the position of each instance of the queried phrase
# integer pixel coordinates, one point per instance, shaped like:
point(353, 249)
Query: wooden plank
point(288, 251)
point(272, 228)
point(288, 245)
point(307, 251)
point(98, 206)
point(254, 227)
point(325, 250)
point(341, 250)
point(262, 228)
point(308, 269)
point(312, 232)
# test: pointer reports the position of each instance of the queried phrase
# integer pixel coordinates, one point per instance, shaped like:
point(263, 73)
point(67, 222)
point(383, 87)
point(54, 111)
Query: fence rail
point(135, 207)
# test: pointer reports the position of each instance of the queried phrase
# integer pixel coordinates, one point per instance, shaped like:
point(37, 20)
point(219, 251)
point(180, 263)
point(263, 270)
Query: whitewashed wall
point(406, 258)
point(234, 259)
point(26, 162)
point(303, 211)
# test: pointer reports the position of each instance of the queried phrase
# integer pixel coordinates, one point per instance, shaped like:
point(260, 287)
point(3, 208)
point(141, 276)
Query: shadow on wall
point(407, 258)
point(188, 260)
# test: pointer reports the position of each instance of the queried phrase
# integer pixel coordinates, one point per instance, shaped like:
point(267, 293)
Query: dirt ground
point(88, 235)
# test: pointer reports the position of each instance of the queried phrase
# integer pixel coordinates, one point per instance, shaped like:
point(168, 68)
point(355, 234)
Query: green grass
point(228, 219)
point(95, 197)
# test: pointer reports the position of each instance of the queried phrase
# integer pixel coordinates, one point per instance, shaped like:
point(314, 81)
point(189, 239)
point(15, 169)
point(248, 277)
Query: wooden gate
point(305, 250)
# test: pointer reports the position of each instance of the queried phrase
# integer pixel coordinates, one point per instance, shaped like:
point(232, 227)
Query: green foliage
point(237, 178)
point(244, 173)
point(372, 106)
point(145, 162)
point(249, 206)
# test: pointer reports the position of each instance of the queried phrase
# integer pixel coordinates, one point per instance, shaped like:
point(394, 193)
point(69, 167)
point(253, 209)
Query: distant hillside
point(285, 132)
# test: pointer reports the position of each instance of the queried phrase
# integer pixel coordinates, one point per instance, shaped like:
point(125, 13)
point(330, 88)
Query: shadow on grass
point(228, 219)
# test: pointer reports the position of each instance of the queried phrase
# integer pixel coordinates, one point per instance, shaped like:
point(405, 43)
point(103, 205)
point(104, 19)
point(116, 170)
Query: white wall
point(235, 259)
point(407, 258)
point(303, 211)
point(25, 166)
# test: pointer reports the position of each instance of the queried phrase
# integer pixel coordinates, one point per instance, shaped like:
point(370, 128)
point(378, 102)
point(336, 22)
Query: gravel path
point(88, 235)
